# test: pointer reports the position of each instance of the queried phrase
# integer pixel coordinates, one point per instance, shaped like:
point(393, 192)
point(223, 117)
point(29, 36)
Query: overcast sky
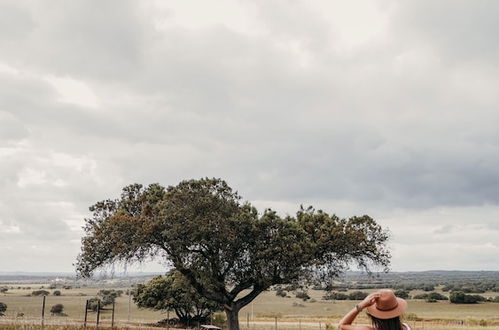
point(386, 108)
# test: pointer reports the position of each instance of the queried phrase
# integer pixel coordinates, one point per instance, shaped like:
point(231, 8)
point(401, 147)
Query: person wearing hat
point(384, 309)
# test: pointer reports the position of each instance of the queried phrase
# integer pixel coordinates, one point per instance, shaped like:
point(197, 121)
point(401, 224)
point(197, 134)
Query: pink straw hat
point(387, 306)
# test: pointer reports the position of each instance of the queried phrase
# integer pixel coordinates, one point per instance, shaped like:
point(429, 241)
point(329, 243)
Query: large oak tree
point(224, 246)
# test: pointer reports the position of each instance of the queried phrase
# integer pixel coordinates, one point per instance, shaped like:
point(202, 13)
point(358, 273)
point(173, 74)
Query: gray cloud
point(399, 124)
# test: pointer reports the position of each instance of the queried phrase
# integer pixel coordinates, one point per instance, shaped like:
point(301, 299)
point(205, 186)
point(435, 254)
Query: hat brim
point(397, 311)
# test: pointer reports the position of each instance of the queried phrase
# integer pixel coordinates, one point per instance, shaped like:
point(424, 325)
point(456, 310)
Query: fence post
point(98, 312)
point(167, 320)
point(86, 312)
point(112, 317)
point(247, 320)
point(276, 323)
point(299, 323)
point(129, 303)
point(43, 310)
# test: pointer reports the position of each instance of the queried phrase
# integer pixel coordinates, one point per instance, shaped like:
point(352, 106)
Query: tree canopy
point(222, 245)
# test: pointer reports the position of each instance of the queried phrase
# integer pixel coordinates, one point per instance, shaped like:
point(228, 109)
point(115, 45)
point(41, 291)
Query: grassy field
point(290, 312)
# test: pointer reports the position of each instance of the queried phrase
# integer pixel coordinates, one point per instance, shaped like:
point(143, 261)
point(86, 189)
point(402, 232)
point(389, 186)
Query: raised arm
point(346, 321)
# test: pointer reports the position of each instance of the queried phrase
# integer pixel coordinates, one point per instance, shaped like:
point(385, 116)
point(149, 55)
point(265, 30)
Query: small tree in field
point(226, 250)
point(3, 308)
point(109, 296)
point(175, 292)
point(57, 309)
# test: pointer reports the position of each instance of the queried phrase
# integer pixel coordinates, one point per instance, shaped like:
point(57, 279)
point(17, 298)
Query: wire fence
point(87, 318)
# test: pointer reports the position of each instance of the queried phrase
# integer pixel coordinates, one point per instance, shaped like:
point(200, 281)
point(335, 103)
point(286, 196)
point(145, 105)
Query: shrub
point(109, 296)
point(404, 294)
point(459, 297)
point(281, 293)
point(57, 309)
point(3, 308)
point(302, 295)
point(4, 289)
point(357, 295)
point(437, 296)
point(93, 304)
point(335, 296)
point(40, 293)
point(56, 293)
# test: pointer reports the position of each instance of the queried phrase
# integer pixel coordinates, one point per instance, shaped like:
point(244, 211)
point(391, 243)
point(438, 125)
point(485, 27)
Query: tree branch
point(249, 297)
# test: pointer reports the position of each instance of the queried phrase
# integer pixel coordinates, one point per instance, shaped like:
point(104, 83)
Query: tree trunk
point(232, 318)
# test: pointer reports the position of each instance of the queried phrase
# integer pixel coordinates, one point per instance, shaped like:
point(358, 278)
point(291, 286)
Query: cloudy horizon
point(383, 108)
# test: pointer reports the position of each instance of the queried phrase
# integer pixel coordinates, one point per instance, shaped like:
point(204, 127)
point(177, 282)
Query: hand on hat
point(369, 300)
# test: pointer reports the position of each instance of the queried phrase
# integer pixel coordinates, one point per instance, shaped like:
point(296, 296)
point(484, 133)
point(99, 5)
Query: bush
point(302, 295)
point(404, 294)
point(56, 293)
point(4, 289)
point(57, 309)
point(109, 296)
point(40, 293)
point(335, 296)
point(357, 295)
point(3, 308)
point(459, 297)
point(281, 293)
point(437, 296)
point(93, 304)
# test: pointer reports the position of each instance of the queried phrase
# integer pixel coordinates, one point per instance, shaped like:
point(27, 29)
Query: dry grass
point(261, 313)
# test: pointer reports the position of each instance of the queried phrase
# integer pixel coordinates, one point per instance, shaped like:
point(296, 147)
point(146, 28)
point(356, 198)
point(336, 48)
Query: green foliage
point(223, 246)
point(174, 292)
point(109, 296)
point(335, 296)
point(302, 295)
point(94, 304)
point(56, 293)
point(404, 294)
point(281, 293)
point(431, 297)
point(357, 295)
point(459, 297)
point(3, 289)
point(3, 308)
point(40, 293)
point(57, 309)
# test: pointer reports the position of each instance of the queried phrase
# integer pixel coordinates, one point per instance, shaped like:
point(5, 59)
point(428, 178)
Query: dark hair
point(386, 324)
